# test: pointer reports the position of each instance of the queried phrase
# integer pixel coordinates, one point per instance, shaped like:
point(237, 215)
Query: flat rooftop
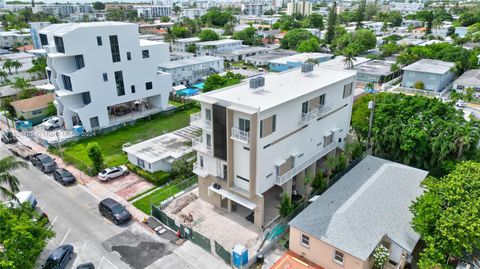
point(218, 42)
point(63, 28)
point(430, 66)
point(189, 61)
point(169, 145)
point(244, 50)
point(375, 67)
point(279, 88)
point(187, 40)
point(339, 62)
point(272, 55)
point(302, 57)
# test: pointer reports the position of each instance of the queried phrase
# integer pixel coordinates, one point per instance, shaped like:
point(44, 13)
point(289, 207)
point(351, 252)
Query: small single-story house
point(339, 62)
point(469, 79)
point(262, 60)
point(243, 52)
point(289, 62)
point(461, 31)
point(367, 207)
point(375, 71)
point(436, 75)
point(159, 153)
point(33, 109)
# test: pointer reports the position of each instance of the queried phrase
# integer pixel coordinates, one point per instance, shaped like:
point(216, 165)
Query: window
point(99, 41)
point(460, 87)
point(338, 257)
point(149, 85)
point(209, 140)
point(347, 90)
point(86, 98)
point(322, 100)
point(114, 48)
point(67, 83)
point(119, 83)
point(141, 163)
point(59, 44)
point(94, 122)
point(305, 240)
point(201, 161)
point(327, 140)
point(244, 125)
point(105, 77)
point(145, 54)
point(129, 56)
point(36, 112)
point(43, 39)
point(305, 107)
point(132, 88)
point(79, 61)
point(208, 114)
point(268, 126)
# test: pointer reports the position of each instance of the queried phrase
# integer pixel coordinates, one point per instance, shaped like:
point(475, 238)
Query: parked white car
point(23, 196)
point(52, 123)
point(112, 172)
point(460, 103)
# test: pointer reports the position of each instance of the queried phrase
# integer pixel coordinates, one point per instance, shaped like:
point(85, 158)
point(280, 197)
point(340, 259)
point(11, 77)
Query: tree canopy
point(357, 42)
point(248, 36)
point(216, 17)
point(310, 45)
point(293, 38)
point(216, 81)
point(417, 131)
point(98, 5)
point(208, 35)
point(446, 215)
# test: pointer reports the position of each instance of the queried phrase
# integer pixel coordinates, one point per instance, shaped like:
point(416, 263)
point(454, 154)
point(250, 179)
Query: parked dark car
point(86, 266)
point(43, 162)
point(8, 137)
point(114, 211)
point(59, 257)
point(63, 176)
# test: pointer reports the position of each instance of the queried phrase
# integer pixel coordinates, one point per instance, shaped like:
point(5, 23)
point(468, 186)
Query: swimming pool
point(187, 92)
point(198, 85)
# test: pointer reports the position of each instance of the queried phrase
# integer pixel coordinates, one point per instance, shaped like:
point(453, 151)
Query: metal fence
point(223, 253)
point(201, 241)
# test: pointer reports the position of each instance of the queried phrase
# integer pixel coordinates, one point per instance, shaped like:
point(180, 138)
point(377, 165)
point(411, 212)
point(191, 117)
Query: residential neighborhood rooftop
point(279, 88)
point(218, 42)
point(34, 103)
point(301, 57)
point(339, 62)
point(376, 67)
point(189, 61)
point(470, 77)
point(366, 204)
point(187, 40)
point(244, 50)
point(430, 66)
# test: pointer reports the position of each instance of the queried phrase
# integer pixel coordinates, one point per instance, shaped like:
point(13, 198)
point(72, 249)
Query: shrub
point(286, 206)
point(380, 256)
point(419, 85)
point(95, 155)
point(158, 178)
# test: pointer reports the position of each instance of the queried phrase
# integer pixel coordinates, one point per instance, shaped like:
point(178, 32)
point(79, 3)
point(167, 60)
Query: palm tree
point(8, 65)
point(170, 37)
point(9, 184)
point(394, 68)
point(3, 75)
point(229, 28)
point(370, 86)
point(313, 61)
point(349, 59)
point(21, 84)
point(331, 163)
point(16, 64)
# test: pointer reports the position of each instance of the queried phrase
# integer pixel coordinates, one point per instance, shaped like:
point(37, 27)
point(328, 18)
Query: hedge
point(158, 178)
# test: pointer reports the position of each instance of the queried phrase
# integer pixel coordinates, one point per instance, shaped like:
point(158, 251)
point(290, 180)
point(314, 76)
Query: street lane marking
point(84, 245)
point(53, 222)
point(65, 237)
point(103, 258)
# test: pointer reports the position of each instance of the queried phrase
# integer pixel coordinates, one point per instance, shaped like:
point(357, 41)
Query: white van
point(23, 196)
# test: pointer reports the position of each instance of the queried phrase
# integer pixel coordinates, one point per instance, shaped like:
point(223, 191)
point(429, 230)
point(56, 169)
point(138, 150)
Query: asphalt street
point(73, 214)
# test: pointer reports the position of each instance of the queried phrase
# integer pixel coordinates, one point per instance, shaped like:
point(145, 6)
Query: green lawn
point(162, 194)
point(111, 143)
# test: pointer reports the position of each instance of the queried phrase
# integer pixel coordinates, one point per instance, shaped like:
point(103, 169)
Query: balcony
point(309, 116)
point(199, 171)
point(240, 135)
point(322, 110)
point(281, 179)
point(199, 145)
point(197, 121)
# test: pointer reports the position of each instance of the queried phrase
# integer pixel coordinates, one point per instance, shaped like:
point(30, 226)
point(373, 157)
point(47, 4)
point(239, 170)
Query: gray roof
point(430, 66)
point(189, 61)
point(366, 204)
point(375, 67)
point(469, 78)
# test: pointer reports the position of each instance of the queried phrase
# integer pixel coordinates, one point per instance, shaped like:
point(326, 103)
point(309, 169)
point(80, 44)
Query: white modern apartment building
point(9, 39)
point(104, 74)
point(259, 141)
point(63, 10)
point(302, 7)
point(217, 46)
point(150, 12)
point(192, 70)
point(406, 6)
point(254, 7)
point(181, 44)
point(193, 13)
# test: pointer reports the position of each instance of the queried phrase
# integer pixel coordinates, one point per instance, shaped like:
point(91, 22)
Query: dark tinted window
point(149, 85)
point(132, 88)
point(145, 54)
point(115, 49)
point(219, 132)
point(86, 98)
point(117, 209)
point(67, 83)
point(43, 39)
point(59, 44)
point(99, 40)
point(119, 83)
point(79, 61)
point(105, 77)
point(129, 56)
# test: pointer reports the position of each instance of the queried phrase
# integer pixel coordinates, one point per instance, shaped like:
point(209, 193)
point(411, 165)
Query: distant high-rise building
point(301, 7)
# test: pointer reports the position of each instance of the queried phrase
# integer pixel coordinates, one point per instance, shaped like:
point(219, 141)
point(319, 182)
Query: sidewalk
point(91, 184)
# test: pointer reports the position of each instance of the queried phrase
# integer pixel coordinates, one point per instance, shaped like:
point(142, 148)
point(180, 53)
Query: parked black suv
point(59, 257)
point(43, 162)
point(63, 176)
point(86, 266)
point(114, 211)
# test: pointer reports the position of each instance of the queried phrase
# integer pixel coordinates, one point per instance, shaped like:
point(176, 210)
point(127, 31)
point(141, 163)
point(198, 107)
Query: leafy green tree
point(192, 48)
point(181, 169)
point(216, 81)
point(51, 109)
point(469, 94)
point(316, 21)
point(229, 28)
point(371, 10)
point(38, 68)
point(208, 35)
point(216, 17)
point(319, 184)
point(22, 237)
point(446, 215)
point(164, 19)
point(390, 49)
point(180, 31)
point(8, 65)
point(349, 55)
point(95, 155)
point(3, 76)
point(9, 184)
point(380, 257)
point(176, 9)
point(98, 5)
point(248, 36)
point(360, 15)
point(286, 206)
point(310, 45)
point(332, 21)
point(355, 42)
point(293, 38)
point(16, 65)
point(170, 37)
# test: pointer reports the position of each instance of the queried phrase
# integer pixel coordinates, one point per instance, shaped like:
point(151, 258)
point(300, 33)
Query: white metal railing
point(281, 179)
point(307, 117)
point(240, 135)
point(198, 170)
point(199, 145)
point(424, 92)
point(196, 120)
point(324, 109)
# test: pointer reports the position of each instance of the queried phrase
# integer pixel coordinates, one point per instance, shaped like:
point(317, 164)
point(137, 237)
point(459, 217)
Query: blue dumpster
point(78, 130)
point(240, 255)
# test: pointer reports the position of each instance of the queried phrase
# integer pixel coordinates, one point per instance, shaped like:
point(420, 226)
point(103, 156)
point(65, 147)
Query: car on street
point(86, 266)
point(59, 257)
point(108, 174)
point(63, 176)
point(460, 103)
point(8, 137)
point(23, 197)
point(114, 211)
point(52, 123)
point(43, 162)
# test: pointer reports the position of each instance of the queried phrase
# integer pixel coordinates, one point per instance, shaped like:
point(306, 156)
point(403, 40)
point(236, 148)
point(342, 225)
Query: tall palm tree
point(8, 65)
point(16, 64)
point(21, 84)
point(3, 76)
point(170, 37)
point(9, 184)
point(349, 59)
point(313, 61)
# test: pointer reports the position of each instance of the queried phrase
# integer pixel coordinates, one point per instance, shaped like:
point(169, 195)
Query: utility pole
point(371, 106)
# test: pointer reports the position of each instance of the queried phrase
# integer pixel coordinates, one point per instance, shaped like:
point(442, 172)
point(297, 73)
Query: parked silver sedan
point(108, 174)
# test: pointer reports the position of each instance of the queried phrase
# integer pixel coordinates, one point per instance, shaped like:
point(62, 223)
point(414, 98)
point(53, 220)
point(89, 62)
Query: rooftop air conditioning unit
point(307, 68)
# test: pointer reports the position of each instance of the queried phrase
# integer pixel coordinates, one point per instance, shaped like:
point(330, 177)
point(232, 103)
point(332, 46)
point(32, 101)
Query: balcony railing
point(315, 113)
point(240, 135)
point(200, 171)
point(281, 179)
point(322, 110)
point(199, 145)
point(196, 120)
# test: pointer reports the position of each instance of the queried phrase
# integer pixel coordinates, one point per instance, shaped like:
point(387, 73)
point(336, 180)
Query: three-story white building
point(104, 74)
point(259, 141)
